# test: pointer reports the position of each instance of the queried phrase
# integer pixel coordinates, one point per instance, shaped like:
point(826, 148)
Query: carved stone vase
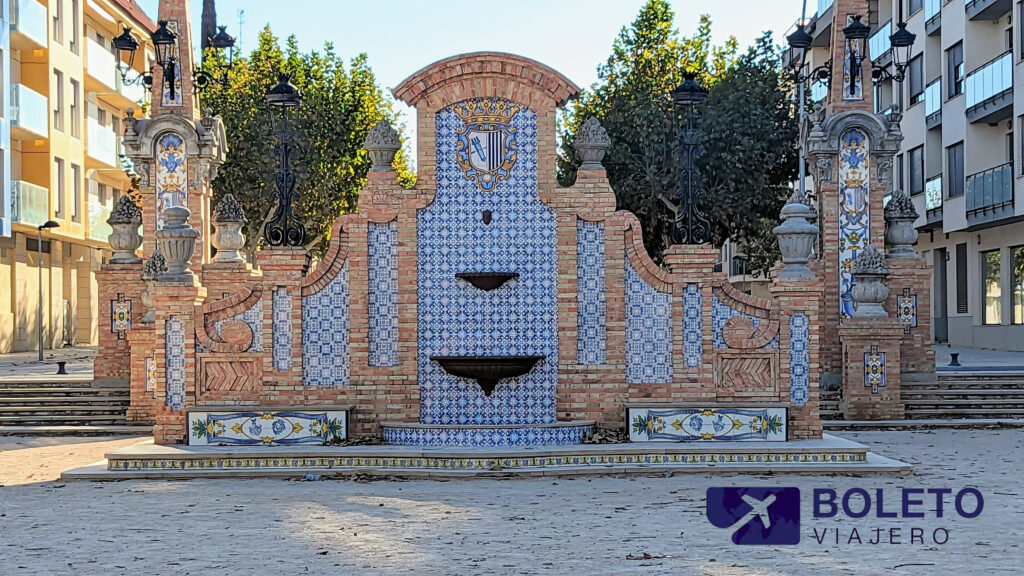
point(125, 239)
point(228, 219)
point(796, 239)
point(591, 144)
point(869, 289)
point(177, 243)
point(900, 234)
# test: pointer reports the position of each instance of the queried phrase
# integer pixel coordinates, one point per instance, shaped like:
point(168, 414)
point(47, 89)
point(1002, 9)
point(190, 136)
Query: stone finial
point(796, 238)
point(869, 289)
point(228, 210)
point(130, 122)
point(208, 119)
point(870, 261)
point(124, 237)
point(125, 212)
point(900, 207)
point(591, 143)
point(900, 233)
point(177, 242)
point(382, 142)
point(155, 266)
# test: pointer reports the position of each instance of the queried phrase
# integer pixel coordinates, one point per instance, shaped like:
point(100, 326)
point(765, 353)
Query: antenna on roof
point(241, 20)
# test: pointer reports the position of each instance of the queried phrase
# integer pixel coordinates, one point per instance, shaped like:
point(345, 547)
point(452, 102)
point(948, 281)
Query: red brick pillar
point(793, 298)
point(118, 286)
point(222, 278)
point(871, 369)
point(909, 302)
point(143, 375)
point(693, 264)
point(284, 268)
point(175, 302)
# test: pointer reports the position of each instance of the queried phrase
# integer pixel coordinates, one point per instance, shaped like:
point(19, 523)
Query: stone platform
point(486, 436)
point(827, 455)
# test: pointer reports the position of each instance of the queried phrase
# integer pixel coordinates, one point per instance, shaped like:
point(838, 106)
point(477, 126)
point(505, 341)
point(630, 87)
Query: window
point(916, 5)
point(990, 278)
point(1017, 255)
point(955, 169)
point(76, 190)
point(916, 183)
point(58, 111)
point(58, 23)
point(1009, 146)
point(955, 70)
point(900, 180)
point(73, 42)
point(76, 109)
point(961, 278)
point(916, 80)
point(58, 208)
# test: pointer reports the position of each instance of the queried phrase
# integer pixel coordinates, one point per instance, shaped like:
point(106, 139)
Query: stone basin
point(487, 280)
point(487, 370)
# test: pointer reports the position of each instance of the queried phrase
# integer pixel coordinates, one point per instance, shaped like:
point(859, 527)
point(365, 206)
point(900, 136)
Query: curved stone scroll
point(739, 332)
point(234, 336)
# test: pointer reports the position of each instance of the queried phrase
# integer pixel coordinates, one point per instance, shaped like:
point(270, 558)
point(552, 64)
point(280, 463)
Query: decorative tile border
point(906, 310)
point(693, 326)
point(174, 353)
point(171, 174)
point(854, 215)
point(282, 326)
point(874, 369)
point(648, 331)
point(151, 375)
point(590, 290)
point(799, 359)
point(706, 424)
point(325, 334)
point(266, 428)
point(487, 437)
point(120, 316)
point(382, 247)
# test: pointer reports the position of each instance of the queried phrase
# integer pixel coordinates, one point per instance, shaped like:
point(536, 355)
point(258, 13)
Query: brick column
point(792, 298)
point(221, 278)
point(284, 268)
point(113, 356)
point(175, 300)
point(910, 281)
point(869, 396)
point(142, 340)
point(693, 264)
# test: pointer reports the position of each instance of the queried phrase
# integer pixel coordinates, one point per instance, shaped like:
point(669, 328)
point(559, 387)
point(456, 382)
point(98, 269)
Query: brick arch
point(460, 76)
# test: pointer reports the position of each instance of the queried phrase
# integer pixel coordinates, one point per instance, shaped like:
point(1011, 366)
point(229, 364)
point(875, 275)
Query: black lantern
point(800, 42)
point(222, 40)
point(164, 40)
point(283, 228)
point(902, 42)
point(855, 30)
point(690, 225)
point(204, 78)
point(126, 45)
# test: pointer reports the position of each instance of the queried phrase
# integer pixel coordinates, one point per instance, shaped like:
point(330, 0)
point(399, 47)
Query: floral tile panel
point(707, 424)
point(266, 428)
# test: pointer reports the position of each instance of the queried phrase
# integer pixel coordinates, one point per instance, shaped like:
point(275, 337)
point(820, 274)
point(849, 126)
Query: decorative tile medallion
point(648, 331)
point(590, 287)
point(265, 428)
point(486, 147)
point(383, 268)
point(697, 424)
point(174, 353)
point(150, 374)
point(693, 326)
point(120, 316)
point(171, 174)
point(325, 325)
point(487, 437)
point(854, 216)
point(721, 313)
point(165, 98)
point(906, 310)
point(874, 369)
point(456, 319)
point(282, 338)
point(799, 359)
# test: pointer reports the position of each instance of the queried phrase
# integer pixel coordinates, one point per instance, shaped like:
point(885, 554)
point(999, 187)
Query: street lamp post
point(39, 265)
point(690, 226)
point(284, 229)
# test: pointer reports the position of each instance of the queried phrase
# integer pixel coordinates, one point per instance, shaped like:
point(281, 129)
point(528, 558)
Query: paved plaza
point(599, 525)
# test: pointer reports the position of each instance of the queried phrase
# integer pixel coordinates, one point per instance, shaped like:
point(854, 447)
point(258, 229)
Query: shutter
point(961, 278)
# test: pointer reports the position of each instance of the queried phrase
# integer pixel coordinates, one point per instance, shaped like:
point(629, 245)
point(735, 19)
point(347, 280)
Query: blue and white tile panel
point(673, 424)
point(325, 334)
point(174, 354)
point(590, 289)
point(799, 359)
point(456, 319)
point(648, 331)
point(693, 326)
point(382, 246)
point(262, 428)
point(487, 437)
point(282, 326)
point(721, 313)
point(854, 213)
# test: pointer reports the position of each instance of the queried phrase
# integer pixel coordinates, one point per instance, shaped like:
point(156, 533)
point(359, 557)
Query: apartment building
point(962, 159)
point(61, 160)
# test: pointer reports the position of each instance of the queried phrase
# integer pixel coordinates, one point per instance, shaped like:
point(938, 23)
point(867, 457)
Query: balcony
point(879, 46)
point(933, 104)
point(99, 65)
point(990, 195)
point(821, 24)
point(990, 91)
point(136, 92)
point(987, 9)
point(28, 25)
point(932, 17)
point(98, 214)
point(30, 114)
point(102, 143)
point(30, 204)
point(818, 92)
point(933, 202)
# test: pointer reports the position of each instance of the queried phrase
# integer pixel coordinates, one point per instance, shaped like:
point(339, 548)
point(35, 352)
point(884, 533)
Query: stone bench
point(716, 422)
point(241, 425)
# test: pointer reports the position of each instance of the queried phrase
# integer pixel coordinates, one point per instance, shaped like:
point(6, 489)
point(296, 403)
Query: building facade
point(61, 159)
point(962, 157)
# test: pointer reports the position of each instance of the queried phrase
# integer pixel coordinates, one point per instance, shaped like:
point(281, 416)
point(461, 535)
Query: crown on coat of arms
point(486, 111)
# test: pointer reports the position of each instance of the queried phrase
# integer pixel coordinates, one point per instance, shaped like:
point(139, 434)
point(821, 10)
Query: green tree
point(749, 141)
point(340, 104)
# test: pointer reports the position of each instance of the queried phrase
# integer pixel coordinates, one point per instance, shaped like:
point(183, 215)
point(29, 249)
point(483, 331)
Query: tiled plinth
point(266, 425)
point(827, 455)
point(557, 434)
point(706, 422)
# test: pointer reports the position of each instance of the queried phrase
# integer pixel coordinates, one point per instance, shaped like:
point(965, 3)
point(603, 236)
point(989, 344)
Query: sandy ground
point(608, 525)
point(25, 459)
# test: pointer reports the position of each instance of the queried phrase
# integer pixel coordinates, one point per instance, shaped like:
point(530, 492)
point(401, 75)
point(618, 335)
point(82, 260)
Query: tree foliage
point(750, 132)
point(340, 104)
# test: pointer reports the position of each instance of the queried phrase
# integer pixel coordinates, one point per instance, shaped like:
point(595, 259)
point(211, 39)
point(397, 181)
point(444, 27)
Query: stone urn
point(900, 234)
point(869, 289)
point(151, 271)
point(228, 219)
point(177, 243)
point(591, 143)
point(125, 239)
point(797, 237)
point(382, 143)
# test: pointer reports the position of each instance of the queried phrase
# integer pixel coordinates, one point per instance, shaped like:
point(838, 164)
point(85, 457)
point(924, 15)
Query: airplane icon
point(759, 509)
point(735, 509)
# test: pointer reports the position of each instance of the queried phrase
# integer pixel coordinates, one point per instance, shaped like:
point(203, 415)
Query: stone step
point(963, 392)
point(9, 410)
point(80, 400)
point(75, 430)
point(62, 390)
point(964, 402)
point(63, 419)
point(966, 412)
